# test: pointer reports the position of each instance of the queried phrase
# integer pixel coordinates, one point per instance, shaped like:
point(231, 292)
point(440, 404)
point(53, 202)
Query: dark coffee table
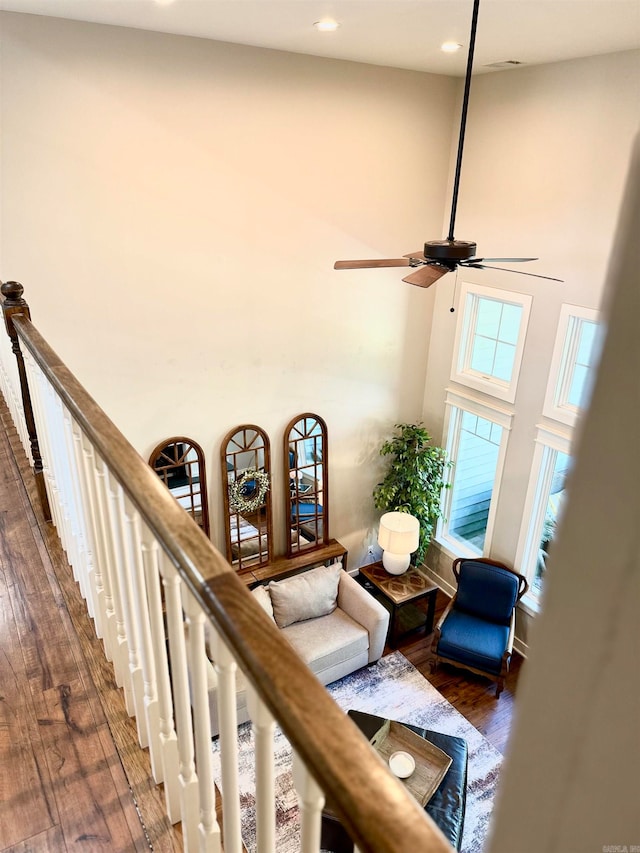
point(447, 806)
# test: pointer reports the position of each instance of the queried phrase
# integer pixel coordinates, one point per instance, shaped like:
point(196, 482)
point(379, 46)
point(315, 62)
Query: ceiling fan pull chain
point(455, 290)
point(463, 119)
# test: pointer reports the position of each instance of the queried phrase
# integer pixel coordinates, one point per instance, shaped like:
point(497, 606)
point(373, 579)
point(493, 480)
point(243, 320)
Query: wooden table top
point(398, 588)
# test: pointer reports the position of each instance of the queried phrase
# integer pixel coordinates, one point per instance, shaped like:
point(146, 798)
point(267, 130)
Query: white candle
point(402, 764)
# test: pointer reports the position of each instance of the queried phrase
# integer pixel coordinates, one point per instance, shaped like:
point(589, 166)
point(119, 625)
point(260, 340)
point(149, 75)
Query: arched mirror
point(246, 487)
point(307, 498)
point(179, 462)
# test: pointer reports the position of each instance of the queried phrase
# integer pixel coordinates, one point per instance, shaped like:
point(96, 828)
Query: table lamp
point(398, 536)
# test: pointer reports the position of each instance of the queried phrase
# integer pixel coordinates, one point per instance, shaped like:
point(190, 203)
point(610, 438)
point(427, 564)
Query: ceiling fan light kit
point(442, 256)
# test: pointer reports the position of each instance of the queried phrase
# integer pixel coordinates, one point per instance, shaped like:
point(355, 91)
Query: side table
point(400, 591)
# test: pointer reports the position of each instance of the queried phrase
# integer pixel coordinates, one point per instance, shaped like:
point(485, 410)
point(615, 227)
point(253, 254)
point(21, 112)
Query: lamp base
point(395, 564)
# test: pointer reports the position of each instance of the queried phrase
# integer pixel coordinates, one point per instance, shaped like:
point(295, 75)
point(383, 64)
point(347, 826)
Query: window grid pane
point(494, 338)
point(552, 499)
point(474, 475)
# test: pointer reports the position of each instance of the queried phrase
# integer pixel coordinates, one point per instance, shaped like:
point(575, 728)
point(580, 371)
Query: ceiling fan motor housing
point(449, 250)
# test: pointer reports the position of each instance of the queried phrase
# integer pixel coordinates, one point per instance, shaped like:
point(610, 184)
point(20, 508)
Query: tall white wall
point(174, 206)
point(546, 155)
point(570, 783)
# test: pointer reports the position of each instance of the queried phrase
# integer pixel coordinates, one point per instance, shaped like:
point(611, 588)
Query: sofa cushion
point(328, 640)
point(261, 594)
point(306, 596)
point(473, 641)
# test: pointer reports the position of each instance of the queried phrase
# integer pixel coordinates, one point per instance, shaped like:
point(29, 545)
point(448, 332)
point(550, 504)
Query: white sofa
point(330, 620)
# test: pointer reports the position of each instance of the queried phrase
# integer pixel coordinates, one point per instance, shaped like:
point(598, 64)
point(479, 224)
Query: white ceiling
point(399, 33)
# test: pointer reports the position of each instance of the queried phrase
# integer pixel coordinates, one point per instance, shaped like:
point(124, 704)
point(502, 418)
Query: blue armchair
point(477, 628)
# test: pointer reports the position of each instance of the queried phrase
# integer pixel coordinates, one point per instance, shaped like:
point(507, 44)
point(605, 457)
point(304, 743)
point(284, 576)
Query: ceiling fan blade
point(425, 276)
point(371, 264)
point(519, 272)
point(499, 260)
point(418, 256)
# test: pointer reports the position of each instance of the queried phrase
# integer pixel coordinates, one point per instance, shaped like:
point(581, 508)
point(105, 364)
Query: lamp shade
point(398, 534)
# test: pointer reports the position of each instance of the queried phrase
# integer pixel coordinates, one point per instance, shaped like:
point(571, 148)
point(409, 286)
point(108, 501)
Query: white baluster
point(188, 780)
point(42, 427)
point(64, 482)
point(170, 765)
point(78, 546)
point(311, 801)
point(140, 611)
point(53, 419)
point(93, 524)
point(87, 521)
point(118, 594)
point(134, 685)
point(263, 729)
point(225, 667)
point(84, 547)
point(112, 646)
point(208, 829)
point(10, 382)
point(44, 400)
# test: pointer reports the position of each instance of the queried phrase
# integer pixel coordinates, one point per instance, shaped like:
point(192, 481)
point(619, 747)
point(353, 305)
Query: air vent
point(503, 63)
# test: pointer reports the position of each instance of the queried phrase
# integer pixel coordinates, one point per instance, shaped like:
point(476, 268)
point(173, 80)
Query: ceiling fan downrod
point(463, 119)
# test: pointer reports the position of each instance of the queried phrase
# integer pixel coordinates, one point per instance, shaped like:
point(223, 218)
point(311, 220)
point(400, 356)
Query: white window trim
point(464, 335)
point(455, 403)
point(564, 356)
point(535, 508)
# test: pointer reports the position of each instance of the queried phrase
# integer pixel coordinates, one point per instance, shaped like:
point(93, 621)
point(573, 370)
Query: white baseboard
point(520, 647)
point(444, 585)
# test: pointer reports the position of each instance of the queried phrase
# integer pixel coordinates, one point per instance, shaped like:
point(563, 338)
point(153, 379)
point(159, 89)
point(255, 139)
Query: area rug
point(391, 688)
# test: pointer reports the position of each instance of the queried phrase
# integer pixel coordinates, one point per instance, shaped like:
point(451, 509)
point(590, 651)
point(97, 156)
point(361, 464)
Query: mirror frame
point(174, 441)
point(245, 563)
point(294, 549)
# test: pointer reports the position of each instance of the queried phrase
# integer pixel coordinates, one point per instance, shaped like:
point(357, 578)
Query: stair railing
point(164, 603)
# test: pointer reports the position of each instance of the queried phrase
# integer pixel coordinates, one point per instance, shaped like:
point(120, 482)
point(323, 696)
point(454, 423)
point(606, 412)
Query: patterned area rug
point(391, 688)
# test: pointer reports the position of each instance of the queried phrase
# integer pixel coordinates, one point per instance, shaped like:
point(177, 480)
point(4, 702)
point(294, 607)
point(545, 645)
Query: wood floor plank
point(49, 841)
point(27, 807)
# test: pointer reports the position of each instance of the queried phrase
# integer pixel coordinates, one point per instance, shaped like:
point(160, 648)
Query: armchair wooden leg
point(499, 687)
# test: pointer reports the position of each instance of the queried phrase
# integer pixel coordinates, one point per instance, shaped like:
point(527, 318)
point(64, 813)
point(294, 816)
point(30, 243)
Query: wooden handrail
point(377, 811)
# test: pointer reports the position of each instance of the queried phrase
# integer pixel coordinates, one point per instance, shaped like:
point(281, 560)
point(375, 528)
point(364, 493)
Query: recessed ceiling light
point(450, 46)
point(327, 25)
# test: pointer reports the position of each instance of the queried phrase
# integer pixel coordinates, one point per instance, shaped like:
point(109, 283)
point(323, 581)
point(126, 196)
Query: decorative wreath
point(247, 493)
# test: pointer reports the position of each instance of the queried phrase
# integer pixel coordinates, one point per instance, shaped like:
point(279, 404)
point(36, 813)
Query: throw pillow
point(261, 594)
point(305, 596)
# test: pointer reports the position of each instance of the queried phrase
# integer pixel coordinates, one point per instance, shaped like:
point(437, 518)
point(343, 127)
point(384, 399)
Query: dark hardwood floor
point(72, 776)
point(472, 695)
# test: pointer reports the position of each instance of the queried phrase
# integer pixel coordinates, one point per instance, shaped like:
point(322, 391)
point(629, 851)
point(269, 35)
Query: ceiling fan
point(442, 256)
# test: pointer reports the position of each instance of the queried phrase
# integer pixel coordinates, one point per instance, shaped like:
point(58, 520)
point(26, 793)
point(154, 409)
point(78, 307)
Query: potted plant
point(414, 481)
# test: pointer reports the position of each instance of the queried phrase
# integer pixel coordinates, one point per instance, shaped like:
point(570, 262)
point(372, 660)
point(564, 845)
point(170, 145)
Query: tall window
point(543, 509)
point(490, 340)
point(575, 355)
point(476, 441)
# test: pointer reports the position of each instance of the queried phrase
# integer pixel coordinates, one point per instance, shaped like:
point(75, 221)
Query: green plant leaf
point(414, 480)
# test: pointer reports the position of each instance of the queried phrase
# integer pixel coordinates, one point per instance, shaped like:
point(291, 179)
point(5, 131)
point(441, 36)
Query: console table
point(400, 591)
point(284, 567)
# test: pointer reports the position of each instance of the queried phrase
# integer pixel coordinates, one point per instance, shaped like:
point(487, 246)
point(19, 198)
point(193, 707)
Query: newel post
point(12, 305)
